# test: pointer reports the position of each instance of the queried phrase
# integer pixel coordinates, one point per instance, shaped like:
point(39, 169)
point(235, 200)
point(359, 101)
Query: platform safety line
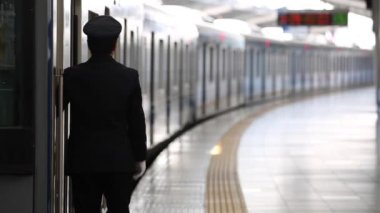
point(224, 194)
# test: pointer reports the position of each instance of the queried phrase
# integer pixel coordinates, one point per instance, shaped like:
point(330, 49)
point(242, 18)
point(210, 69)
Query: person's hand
point(140, 169)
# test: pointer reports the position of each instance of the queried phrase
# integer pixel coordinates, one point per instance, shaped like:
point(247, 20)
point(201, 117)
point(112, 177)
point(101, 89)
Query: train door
point(257, 74)
point(175, 86)
point(200, 83)
point(274, 64)
point(318, 83)
point(308, 71)
point(187, 87)
point(287, 78)
point(193, 77)
point(351, 68)
point(181, 83)
point(328, 70)
point(299, 77)
point(302, 70)
point(250, 64)
point(269, 68)
point(340, 71)
point(332, 70)
point(280, 69)
point(152, 78)
point(347, 70)
point(284, 71)
point(223, 79)
point(233, 78)
point(262, 66)
point(210, 78)
point(168, 85)
point(321, 65)
point(159, 87)
point(324, 71)
point(240, 76)
point(217, 77)
point(361, 70)
point(144, 79)
point(311, 70)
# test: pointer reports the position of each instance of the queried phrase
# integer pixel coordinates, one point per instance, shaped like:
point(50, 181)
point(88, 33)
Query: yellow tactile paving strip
point(224, 193)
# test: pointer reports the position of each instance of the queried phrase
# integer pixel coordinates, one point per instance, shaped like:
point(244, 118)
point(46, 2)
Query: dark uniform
point(107, 133)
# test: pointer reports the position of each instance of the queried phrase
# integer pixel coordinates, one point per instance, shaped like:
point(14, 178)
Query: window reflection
point(7, 63)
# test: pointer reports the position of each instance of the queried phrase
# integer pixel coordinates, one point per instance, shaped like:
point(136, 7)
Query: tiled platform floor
point(317, 155)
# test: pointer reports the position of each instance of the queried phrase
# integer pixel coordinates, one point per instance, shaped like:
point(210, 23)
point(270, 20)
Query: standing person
point(107, 144)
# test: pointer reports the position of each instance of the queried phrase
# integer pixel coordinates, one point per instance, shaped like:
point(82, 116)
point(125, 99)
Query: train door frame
point(262, 68)
point(240, 74)
point(229, 70)
point(251, 62)
point(180, 83)
point(193, 77)
point(187, 85)
point(168, 85)
point(275, 71)
point(64, 52)
point(217, 78)
point(223, 87)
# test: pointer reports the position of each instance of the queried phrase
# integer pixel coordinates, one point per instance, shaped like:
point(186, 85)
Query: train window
point(160, 70)
point(107, 11)
point(9, 106)
point(211, 64)
point(17, 86)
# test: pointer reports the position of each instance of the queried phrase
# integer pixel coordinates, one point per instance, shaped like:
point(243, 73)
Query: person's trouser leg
point(118, 191)
point(87, 193)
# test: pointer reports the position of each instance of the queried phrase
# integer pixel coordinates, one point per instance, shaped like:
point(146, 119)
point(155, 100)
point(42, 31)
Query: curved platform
point(304, 155)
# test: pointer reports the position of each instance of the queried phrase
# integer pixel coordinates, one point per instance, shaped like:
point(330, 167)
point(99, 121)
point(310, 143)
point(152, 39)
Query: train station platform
point(315, 154)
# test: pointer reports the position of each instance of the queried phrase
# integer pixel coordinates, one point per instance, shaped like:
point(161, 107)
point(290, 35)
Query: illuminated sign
point(313, 18)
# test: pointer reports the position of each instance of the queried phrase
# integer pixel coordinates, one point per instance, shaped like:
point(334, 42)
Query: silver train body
point(189, 71)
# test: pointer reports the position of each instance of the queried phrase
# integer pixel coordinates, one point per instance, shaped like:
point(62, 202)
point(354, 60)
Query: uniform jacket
point(107, 131)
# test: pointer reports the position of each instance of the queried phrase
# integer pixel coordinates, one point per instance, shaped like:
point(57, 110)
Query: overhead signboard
point(313, 18)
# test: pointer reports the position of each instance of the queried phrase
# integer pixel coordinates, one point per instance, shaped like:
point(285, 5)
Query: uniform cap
point(102, 27)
